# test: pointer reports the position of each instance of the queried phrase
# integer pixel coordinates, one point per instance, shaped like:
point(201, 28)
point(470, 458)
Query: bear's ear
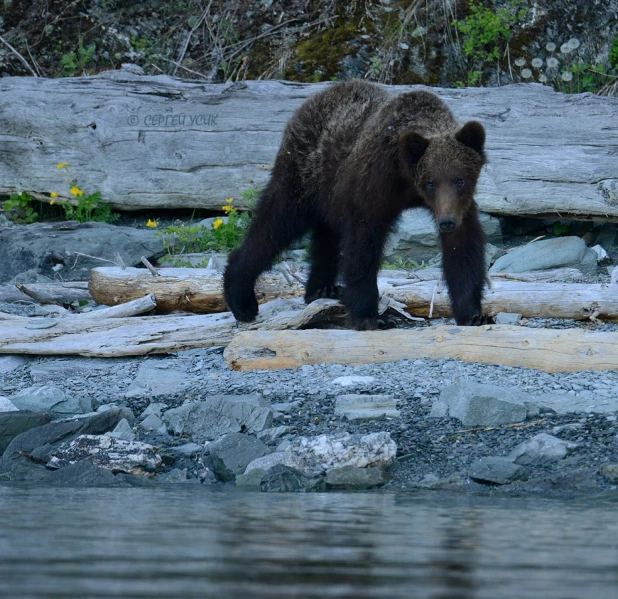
point(472, 134)
point(412, 146)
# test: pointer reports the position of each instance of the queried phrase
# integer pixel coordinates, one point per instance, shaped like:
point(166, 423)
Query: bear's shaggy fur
point(352, 159)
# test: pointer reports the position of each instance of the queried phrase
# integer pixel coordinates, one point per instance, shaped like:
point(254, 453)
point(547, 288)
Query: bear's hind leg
point(274, 227)
point(324, 264)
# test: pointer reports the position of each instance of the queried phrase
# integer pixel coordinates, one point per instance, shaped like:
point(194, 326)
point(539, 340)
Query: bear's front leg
point(362, 252)
point(463, 264)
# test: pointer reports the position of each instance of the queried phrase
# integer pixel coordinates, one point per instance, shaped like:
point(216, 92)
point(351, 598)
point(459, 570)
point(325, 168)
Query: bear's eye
point(459, 182)
point(431, 185)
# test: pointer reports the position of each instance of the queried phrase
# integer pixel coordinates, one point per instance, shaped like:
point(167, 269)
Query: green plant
point(89, 208)
point(403, 264)
point(222, 236)
point(560, 229)
point(20, 208)
point(613, 53)
point(487, 31)
point(73, 63)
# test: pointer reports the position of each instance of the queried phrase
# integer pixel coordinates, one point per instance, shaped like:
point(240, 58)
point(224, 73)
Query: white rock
point(366, 407)
point(352, 381)
point(6, 405)
point(541, 449)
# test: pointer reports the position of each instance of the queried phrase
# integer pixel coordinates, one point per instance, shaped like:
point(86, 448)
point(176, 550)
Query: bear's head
point(444, 170)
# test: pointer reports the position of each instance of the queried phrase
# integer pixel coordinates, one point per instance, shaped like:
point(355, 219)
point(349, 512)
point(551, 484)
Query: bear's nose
point(448, 223)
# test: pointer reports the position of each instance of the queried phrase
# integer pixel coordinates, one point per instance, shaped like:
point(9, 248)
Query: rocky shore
point(186, 418)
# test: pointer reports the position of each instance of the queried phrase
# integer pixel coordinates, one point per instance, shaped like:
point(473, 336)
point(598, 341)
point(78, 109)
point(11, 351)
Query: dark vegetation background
point(433, 42)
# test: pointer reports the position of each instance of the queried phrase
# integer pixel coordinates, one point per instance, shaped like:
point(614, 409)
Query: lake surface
point(194, 542)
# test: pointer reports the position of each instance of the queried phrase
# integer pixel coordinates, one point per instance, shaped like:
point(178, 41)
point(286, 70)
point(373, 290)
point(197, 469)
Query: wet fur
point(352, 159)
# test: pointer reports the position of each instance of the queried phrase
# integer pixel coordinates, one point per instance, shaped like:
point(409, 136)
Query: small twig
point(293, 274)
point(436, 289)
point(493, 428)
point(153, 271)
point(78, 254)
point(33, 458)
point(39, 298)
point(525, 244)
point(23, 60)
point(180, 67)
point(120, 261)
point(193, 29)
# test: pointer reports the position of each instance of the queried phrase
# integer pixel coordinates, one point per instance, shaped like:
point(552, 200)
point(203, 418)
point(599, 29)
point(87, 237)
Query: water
point(221, 543)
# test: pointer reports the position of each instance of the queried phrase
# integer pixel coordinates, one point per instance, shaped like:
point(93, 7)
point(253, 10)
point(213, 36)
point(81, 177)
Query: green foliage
point(89, 208)
point(486, 31)
point(561, 228)
point(403, 264)
point(74, 63)
point(250, 197)
point(20, 208)
point(222, 236)
point(613, 53)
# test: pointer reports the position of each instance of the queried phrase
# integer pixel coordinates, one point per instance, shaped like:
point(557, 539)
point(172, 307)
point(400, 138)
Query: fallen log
point(199, 290)
point(144, 335)
point(60, 293)
point(550, 350)
point(170, 143)
point(196, 290)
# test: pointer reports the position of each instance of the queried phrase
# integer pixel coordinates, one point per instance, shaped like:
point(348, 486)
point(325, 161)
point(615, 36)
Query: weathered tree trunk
point(160, 142)
point(199, 290)
point(196, 290)
point(138, 336)
point(54, 292)
point(550, 350)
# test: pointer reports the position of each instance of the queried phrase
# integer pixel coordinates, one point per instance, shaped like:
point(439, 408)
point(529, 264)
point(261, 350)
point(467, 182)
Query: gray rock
point(354, 381)
point(174, 476)
point(366, 407)
point(46, 398)
point(416, 235)
point(483, 405)
point(286, 407)
point(540, 450)
point(217, 415)
point(46, 246)
point(41, 441)
point(188, 450)
point(358, 479)
point(270, 435)
point(547, 254)
point(10, 363)
point(62, 369)
point(606, 236)
point(251, 480)
point(123, 431)
point(160, 378)
point(325, 452)
point(151, 423)
point(507, 318)
point(82, 474)
point(496, 470)
point(564, 403)
point(6, 405)
point(153, 408)
point(272, 459)
point(233, 452)
point(610, 472)
point(117, 455)
point(15, 423)
point(284, 479)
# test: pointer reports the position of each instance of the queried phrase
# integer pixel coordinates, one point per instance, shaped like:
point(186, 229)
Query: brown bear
point(353, 157)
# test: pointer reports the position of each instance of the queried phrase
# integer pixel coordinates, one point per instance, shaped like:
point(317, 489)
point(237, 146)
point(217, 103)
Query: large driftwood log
point(160, 142)
point(54, 292)
point(193, 289)
point(550, 350)
point(199, 290)
point(139, 336)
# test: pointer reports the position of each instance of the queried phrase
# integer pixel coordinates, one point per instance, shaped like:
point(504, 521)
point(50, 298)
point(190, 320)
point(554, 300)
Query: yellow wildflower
point(52, 202)
point(229, 200)
point(227, 209)
point(76, 191)
point(54, 194)
point(217, 223)
point(153, 224)
point(62, 165)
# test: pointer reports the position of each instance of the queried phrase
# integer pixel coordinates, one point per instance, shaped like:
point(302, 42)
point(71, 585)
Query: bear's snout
point(447, 223)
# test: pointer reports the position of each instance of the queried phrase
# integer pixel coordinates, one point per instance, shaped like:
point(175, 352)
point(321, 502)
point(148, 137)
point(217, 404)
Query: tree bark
point(199, 290)
point(549, 350)
point(150, 142)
